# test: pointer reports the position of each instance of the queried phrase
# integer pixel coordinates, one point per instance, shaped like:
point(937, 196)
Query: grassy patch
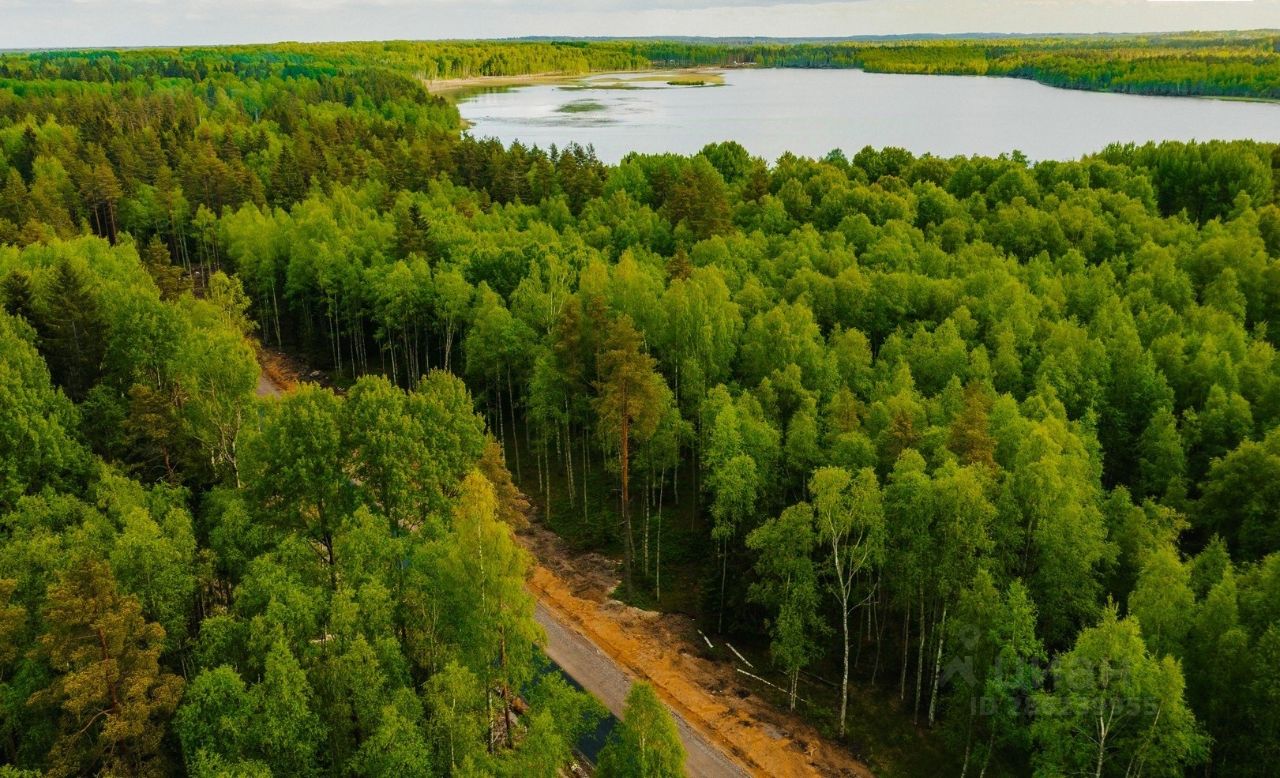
point(686, 78)
point(581, 106)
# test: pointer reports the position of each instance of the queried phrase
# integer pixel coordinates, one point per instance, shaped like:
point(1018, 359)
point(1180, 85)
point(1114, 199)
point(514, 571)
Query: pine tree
point(113, 695)
point(17, 297)
point(159, 265)
point(632, 400)
point(72, 329)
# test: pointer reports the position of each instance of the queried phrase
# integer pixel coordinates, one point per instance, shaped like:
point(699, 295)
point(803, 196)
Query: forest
point(998, 442)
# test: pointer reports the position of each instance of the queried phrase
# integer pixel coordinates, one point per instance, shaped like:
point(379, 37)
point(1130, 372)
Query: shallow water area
point(811, 112)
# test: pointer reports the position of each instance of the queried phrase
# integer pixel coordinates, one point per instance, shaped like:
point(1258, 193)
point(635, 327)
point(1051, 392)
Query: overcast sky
point(53, 23)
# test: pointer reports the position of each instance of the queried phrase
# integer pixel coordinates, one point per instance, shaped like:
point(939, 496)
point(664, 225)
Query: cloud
point(543, 7)
point(55, 23)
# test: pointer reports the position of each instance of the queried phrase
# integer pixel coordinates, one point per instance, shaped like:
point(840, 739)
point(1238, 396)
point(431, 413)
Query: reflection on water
point(811, 112)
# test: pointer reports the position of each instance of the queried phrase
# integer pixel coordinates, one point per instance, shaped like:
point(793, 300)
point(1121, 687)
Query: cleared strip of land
point(706, 696)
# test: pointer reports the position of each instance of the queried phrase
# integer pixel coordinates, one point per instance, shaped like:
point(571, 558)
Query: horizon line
point(799, 39)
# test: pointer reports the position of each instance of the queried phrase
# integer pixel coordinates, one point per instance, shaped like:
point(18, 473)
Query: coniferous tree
point(109, 689)
point(72, 326)
point(631, 400)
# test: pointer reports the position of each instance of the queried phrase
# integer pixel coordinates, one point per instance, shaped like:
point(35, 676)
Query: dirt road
point(267, 387)
point(598, 674)
point(276, 374)
point(709, 698)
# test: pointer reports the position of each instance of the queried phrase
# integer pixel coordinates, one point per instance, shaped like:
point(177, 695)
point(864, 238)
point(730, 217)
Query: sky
point(63, 23)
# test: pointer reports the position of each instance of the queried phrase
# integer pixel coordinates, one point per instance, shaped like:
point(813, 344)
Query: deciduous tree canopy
point(921, 423)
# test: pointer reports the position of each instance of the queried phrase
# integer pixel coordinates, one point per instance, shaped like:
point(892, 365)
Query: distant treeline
point(1243, 64)
point(430, 60)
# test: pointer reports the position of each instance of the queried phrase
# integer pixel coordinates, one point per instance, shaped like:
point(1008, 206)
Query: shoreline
point(447, 86)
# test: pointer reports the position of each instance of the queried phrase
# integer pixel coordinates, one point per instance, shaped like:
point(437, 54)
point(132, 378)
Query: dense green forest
point(195, 580)
point(997, 440)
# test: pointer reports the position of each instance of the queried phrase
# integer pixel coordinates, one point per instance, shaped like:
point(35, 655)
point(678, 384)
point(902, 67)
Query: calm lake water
point(811, 112)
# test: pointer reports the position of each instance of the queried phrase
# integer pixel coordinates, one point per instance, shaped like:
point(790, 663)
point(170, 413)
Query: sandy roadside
point(657, 647)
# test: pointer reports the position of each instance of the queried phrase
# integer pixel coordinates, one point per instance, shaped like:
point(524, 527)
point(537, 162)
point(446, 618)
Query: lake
point(811, 112)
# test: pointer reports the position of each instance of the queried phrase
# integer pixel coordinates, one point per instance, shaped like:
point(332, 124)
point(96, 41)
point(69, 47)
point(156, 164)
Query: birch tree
point(1115, 710)
point(850, 521)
